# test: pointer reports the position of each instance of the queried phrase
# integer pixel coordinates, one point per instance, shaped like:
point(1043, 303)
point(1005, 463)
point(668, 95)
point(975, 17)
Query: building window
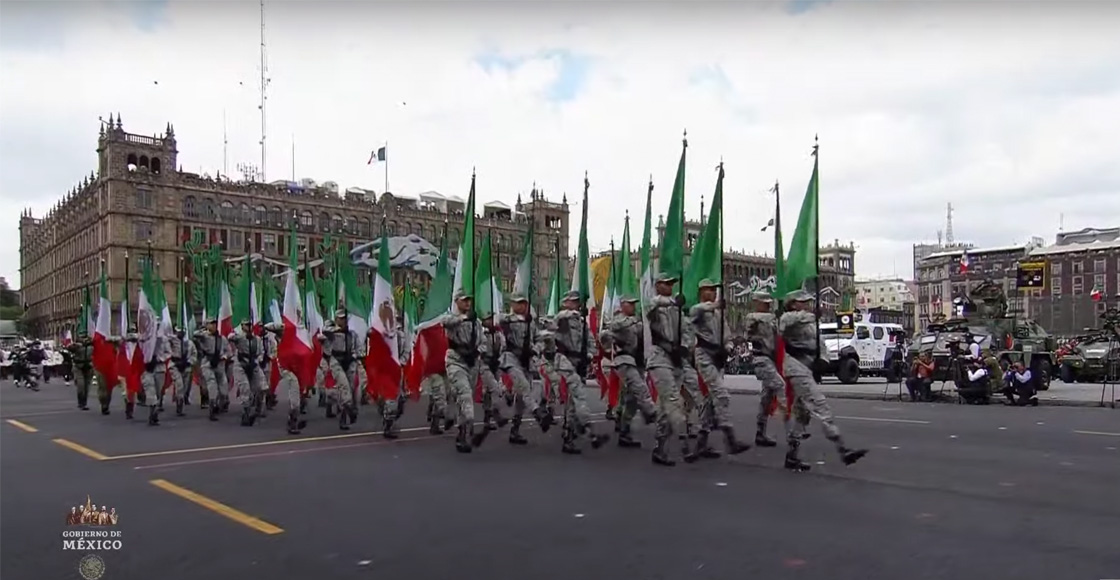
point(1101, 307)
point(997, 267)
point(337, 224)
point(1078, 285)
point(142, 261)
point(306, 220)
point(190, 207)
point(276, 217)
point(236, 240)
point(143, 198)
point(1099, 266)
point(260, 215)
point(246, 216)
point(143, 230)
point(1056, 286)
point(228, 215)
point(324, 222)
point(1056, 268)
point(1079, 267)
point(269, 243)
point(1098, 282)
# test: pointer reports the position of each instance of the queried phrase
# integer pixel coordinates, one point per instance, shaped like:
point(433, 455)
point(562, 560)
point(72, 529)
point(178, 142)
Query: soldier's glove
point(679, 300)
point(472, 316)
point(720, 359)
point(150, 366)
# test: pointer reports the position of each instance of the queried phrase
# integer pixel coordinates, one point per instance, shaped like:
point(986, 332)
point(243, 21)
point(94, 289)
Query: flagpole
point(722, 297)
point(817, 243)
point(386, 149)
point(471, 286)
point(680, 274)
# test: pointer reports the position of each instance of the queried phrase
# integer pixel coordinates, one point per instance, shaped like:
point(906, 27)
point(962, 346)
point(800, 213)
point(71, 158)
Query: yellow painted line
point(81, 449)
point(1105, 433)
point(882, 420)
point(268, 443)
point(22, 426)
point(218, 507)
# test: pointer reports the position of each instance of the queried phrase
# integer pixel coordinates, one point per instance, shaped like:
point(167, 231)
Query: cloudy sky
point(1010, 110)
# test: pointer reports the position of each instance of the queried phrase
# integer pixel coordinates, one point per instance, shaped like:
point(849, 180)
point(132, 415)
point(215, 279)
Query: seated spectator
point(975, 385)
point(1019, 386)
point(921, 378)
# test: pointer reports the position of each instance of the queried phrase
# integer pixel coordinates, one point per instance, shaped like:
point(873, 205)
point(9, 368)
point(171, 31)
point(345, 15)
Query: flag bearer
point(575, 349)
point(490, 349)
point(665, 363)
point(625, 334)
point(463, 333)
point(183, 355)
point(343, 348)
point(520, 337)
point(211, 352)
point(248, 378)
point(81, 352)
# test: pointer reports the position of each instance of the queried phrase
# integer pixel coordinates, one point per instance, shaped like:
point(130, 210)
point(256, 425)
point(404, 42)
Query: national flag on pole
point(465, 260)
point(1096, 294)
point(383, 363)
point(430, 343)
point(379, 154)
point(488, 294)
point(296, 350)
point(521, 284)
point(803, 261)
point(146, 321)
point(581, 274)
point(964, 261)
point(104, 352)
point(707, 254)
point(553, 306)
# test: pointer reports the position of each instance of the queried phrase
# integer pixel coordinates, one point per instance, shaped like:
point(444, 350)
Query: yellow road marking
point(881, 420)
point(218, 507)
point(22, 426)
point(81, 449)
point(1105, 433)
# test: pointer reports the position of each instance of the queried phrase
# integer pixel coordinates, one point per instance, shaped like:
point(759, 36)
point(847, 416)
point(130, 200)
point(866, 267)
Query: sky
point(1007, 109)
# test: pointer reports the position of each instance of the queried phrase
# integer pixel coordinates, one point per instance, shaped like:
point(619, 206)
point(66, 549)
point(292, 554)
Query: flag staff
point(722, 299)
point(386, 150)
point(817, 246)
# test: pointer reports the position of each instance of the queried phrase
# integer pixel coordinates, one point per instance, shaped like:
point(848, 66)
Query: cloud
point(1007, 110)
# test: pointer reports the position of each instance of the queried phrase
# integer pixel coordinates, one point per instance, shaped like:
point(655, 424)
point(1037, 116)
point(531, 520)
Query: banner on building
point(1030, 275)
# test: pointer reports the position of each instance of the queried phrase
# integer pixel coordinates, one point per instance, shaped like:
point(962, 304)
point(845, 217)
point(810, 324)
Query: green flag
point(779, 248)
point(487, 294)
point(671, 259)
point(803, 259)
point(553, 306)
point(627, 283)
point(464, 261)
point(438, 298)
point(707, 255)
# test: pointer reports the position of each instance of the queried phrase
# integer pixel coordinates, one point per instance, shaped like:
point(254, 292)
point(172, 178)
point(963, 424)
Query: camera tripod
point(1110, 320)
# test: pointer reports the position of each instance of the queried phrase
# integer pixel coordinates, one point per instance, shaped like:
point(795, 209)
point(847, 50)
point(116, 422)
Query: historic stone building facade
point(139, 203)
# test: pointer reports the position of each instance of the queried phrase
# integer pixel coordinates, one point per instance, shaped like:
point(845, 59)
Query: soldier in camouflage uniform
point(183, 355)
point(798, 328)
point(546, 368)
point(131, 337)
point(154, 377)
point(490, 349)
point(289, 383)
point(575, 349)
point(248, 378)
point(520, 337)
point(463, 333)
point(692, 397)
point(665, 363)
point(81, 360)
point(707, 322)
point(625, 335)
point(343, 346)
point(435, 385)
point(211, 349)
point(762, 333)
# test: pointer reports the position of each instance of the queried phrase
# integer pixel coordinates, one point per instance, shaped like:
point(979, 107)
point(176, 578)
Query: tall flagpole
point(817, 241)
point(386, 150)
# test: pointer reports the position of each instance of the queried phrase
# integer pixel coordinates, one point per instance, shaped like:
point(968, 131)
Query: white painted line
point(1040, 423)
point(721, 484)
point(894, 446)
point(365, 562)
point(579, 515)
point(1104, 433)
point(1003, 428)
point(882, 420)
point(952, 437)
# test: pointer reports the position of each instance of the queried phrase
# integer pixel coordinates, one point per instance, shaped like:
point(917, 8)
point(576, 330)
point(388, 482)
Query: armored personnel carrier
point(987, 319)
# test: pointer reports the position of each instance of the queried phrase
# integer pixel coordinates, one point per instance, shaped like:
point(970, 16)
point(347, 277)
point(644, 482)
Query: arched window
point(364, 228)
point(190, 207)
point(306, 220)
point(144, 161)
point(208, 210)
point(132, 162)
point(155, 165)
point(324, 222)
point(246, 217)
point(338, 225)
point(276, 217)
point(228, 215)
point(352, 225)
point(391, 228)
point(260, 215)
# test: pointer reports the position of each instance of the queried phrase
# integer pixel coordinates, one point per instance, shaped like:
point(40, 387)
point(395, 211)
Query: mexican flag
point(521, 279)
point(130, 358)
point(104, 352)
point(429, 348)
point(296, 351)
point(464, 260)
point(553, 306)
point(707, 255)
point(383, 362)
point(581, 275)
point(488, 294)
point(645, 281)
point(803, 260)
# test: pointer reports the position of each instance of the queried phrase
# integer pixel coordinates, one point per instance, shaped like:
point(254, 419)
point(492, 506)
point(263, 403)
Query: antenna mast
point(225, 146)
point(264, 95)
point(949, 224)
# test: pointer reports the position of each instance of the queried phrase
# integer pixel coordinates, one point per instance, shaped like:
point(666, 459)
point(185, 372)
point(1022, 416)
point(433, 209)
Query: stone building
point(941, 277)
point(1075, 265)
point(138, 202)
point(887, 300)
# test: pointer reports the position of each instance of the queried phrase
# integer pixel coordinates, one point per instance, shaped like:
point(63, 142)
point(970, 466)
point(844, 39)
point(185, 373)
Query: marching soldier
point(520, 337)
point(692, 398)
point(247, 376)
point(665, 363)
point(269, 346)
point(183, 355)
point(625, 335)
point(289, 383)
point(435, 385)
point(154, 377)
point(762, 332)
point(575, 350)
point(211, 353)
point(342, 343)
point(132, 338)
point(490, 348)
point(546, 367)
point(706, 319)
point(463, 332)
point(799, 331)
point(81, 357)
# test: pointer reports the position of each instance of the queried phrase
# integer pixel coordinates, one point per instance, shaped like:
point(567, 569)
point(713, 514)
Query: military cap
point(666, 277)
point(629, 298)
point(212, 320)
point(800, 296)
point(763, 297)
point(709, 283)
point(340, 313)
point(462, 294)
point(517, 297)
point(573, 295)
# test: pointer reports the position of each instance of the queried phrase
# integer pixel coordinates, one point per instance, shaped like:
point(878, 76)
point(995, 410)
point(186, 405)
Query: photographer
point(921, 378)
point(1018, 386)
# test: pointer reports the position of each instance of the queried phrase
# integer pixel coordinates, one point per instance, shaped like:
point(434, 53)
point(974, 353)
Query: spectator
point(1018, 386)
point(921, 378)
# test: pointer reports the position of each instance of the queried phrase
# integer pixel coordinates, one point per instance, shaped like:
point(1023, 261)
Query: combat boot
point(160, 405)
point(850, 456)
point(434, 427)
point(544, 418)
point(703, 450)
point(448, 423)
point(793, 462)
point(353, 412)
point(83, 401)
point(626, 438)
point(731, 443)
point(153, 415)
point(515, 437)
point(213, 407)
point(487, 424)
point(599, 440)
point(331, 414)
point(499, 420)
point(761, 440)
point(179, 408)
point(104, 407)
point(129, 407)
point(295, 424)
point(480, 437)
point(303, 405)
point(461, 443)
point(660, 456)
point(570, 443)
point(344, 418)
point(390, 429)
point(247, 417)
point(323, 400)
point(270, 401)
point(690, 430)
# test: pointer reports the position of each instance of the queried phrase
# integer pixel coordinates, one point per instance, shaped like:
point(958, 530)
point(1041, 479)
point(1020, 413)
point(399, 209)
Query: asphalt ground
point(946, 492)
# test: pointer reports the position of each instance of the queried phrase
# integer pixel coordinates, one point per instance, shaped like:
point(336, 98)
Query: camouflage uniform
point(154, 377)
point(435, 386)
point(706, 321)
point(762, 333)
point(490, 352)
point(665, 364)
point(463, 333)
point(248, 378)
point(546, 368)
point(575, 349)
point(625, 335)
point(344, 348)
point(289, 383)
point(520, 337)
point(692, 398)
point(211, 349)
point(81, 361)
point(183, 355)
point(799, 331)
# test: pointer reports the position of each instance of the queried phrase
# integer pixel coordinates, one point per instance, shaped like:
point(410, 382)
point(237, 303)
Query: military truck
point(1093, 357)
point(986, 317)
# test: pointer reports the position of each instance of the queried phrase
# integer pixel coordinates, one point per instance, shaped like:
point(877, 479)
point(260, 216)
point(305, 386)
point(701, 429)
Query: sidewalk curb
point(850, 395)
